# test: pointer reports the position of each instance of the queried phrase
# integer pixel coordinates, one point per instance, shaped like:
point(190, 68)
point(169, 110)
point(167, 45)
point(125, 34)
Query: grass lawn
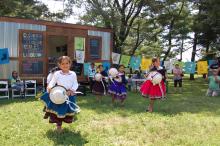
point(189, 118)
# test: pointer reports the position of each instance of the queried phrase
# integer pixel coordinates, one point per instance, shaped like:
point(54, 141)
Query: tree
point(31, 9)
point(115, 14)
point(169, 13)
point(209, 24)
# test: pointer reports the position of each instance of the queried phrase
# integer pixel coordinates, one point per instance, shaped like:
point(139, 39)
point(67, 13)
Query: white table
point(136, 82)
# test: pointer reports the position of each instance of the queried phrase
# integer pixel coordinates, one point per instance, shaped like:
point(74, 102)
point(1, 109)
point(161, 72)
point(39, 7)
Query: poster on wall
point(115, 58)
point(80, 56)
point(32, 67)
point(79, 43)
point(4, 56)
point(94, 49)
point(32, 44)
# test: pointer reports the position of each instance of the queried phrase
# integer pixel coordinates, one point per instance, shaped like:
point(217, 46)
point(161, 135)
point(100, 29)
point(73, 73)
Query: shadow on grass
point(191, 100)
point(134, 104)
point(67, 137)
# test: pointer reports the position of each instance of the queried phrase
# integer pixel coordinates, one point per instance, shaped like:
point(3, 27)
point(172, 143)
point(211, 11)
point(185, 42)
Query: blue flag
point(190, 67)
point(135, 62)
point(106, 65)
point(86, 68)
point(210, 62)
point(4, 56)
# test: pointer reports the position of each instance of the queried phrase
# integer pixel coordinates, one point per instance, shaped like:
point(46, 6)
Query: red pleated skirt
point(153, 91)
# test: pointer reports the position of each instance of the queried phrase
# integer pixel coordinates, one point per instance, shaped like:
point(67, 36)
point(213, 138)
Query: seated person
point(16, 83)
point(137, 75)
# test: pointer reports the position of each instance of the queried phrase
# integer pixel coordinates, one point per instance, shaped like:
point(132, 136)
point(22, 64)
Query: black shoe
point(46, 115)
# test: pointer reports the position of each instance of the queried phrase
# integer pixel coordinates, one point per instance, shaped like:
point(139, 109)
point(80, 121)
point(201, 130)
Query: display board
point(32, 44)
point(94, 49)
point(32, 67)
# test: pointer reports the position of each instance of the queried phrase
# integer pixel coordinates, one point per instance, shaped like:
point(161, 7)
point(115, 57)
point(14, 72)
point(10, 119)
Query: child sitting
point(214, 80)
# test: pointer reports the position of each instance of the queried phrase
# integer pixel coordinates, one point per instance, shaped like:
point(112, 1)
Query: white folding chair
point(4, 91)
point(15, 92)
point(30, 88)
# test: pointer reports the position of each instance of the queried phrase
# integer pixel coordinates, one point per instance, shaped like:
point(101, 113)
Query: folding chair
point(16, 92)
point(30, 88)
point(4, 91)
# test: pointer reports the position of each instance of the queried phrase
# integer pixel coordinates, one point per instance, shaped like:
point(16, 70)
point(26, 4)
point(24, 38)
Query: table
point(136, 82)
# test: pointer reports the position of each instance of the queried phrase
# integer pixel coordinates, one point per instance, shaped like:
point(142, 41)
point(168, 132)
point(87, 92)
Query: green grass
point(189, 118)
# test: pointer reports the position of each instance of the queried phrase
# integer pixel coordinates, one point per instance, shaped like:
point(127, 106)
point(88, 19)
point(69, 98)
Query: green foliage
point(31, 9)
point(209, 24)
point(189, 118)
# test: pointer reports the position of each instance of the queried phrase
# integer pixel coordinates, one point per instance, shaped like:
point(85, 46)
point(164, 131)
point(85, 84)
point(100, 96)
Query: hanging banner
point(135, 62)
point(202, 67)
point(86, 68)
point(181, 64)
point(125, 60)
point(169, 65)
point(97, 64)
point(79, 43)
point(106, 65)
point(189, 67)
point(212, 62)
point(145, 63)
point(4, 56)
point(80, 56)
point(115, 58)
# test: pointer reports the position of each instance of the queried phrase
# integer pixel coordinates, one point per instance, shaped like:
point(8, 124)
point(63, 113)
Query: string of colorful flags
point(134, 62)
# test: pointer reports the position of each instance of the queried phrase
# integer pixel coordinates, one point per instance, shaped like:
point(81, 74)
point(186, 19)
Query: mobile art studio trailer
point(34, 46)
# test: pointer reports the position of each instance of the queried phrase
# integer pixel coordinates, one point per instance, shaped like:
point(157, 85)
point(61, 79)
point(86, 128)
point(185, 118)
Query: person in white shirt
point(59, 113)
point(51, 73)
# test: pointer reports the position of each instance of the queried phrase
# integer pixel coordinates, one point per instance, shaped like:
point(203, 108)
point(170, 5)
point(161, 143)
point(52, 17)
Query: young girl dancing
point(148, 89)
point(117, 87)
point(59, 113)
point(99, 86)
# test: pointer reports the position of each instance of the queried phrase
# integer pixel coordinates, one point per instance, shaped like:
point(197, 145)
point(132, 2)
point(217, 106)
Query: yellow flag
point(145, 63)
point(202, 67)
point(97, 64)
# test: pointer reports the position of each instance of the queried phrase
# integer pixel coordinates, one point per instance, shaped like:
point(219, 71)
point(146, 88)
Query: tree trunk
point(181, 49)
point(207, 47)
point(194, 52)
point(170, 32)
point(170, 41)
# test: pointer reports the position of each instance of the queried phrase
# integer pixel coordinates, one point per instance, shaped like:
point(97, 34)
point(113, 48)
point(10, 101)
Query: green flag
point(79, 43)
point(125, 60)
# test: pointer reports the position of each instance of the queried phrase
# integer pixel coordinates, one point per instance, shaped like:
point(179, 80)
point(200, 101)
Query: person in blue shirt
point(91, 74)
point(214, 80)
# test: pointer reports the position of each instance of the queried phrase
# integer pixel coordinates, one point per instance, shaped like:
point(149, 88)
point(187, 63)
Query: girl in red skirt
point(154, 91)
